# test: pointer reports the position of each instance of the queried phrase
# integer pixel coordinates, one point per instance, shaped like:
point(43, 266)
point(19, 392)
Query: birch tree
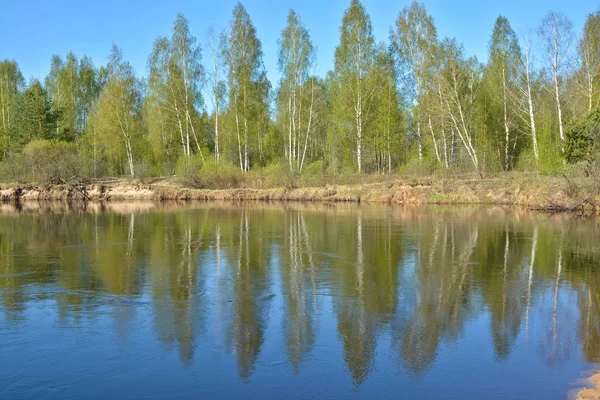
point(217, 87)
point(414, 40)
point(242, 53)
point(11, 82)
point(88, 90)
point(524, 93)
point(589, 54)
point(189, 78)
point(556, 34)
point(354, 59)
point(175, 91)
point(389, 125)
point(296, 57)
point(118, 111)
point(163, 116)
point(501, 71)
point(461, 78)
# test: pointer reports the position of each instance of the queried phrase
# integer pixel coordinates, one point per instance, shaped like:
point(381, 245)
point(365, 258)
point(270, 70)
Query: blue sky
point(32, 31)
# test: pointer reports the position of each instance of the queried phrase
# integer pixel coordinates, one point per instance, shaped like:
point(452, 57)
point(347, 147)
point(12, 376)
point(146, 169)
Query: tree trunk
point(239, 140)
point(555, 70)
point(310, 115)
point(530, 105)
point(290, 154)
point(246, 156)
point(435, 147)
point(560, 120)
point(507, 131)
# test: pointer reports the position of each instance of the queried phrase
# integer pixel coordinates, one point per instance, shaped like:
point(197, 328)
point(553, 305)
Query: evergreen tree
point(35, 118)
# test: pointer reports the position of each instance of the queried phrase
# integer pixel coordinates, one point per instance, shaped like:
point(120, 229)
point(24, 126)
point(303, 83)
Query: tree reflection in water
point(412, 278)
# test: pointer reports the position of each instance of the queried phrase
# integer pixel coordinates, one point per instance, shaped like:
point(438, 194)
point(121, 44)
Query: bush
point(209, 175)
point(143, 171)
point(314, 174)
point(14, 169)
point(280, 175)
point(44, 162)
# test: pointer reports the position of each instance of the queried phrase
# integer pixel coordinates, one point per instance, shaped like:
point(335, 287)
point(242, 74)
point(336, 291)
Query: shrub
point(209, 175)
point(143, 171)
point(314, 174)
point(44, 162)
point(14, 169)
point(280, 175)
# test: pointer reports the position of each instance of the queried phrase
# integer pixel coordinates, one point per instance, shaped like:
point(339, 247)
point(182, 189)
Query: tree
point(218, 89)
point(525, 95)
point(246, 80)
point(89, 87)
point(414, 41)
point(62, 86)
point(34, 116)
point(460, 81)
point(161, 109)
point(187, 62)
point(502, 74)
point(556, 34)
point(175, 100)
point(589, 54)
point(389, 125)
point(11, 82)
point(296, 57)
point(354, 59)
point(583, 141)
point(117, 114)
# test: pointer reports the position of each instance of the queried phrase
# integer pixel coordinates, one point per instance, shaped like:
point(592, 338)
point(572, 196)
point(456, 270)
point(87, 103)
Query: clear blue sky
point(32, 31)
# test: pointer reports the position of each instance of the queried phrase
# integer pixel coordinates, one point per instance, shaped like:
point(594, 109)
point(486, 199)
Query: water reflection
point(223, 276)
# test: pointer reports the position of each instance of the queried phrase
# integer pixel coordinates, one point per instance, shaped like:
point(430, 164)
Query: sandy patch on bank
point(592, 389)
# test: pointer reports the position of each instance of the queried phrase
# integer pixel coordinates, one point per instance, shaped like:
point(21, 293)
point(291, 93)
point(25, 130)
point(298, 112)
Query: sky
point(32, 31)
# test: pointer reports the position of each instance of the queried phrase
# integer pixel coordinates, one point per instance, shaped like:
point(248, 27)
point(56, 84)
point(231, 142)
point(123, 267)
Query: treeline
point(417, 103)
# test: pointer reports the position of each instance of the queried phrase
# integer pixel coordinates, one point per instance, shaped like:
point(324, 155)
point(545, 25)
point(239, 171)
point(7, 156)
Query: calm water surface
point(295, 301)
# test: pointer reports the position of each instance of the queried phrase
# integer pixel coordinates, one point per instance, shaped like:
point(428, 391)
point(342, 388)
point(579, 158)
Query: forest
point(416, 104)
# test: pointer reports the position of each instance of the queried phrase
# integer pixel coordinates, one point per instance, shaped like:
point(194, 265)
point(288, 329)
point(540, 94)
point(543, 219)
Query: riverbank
point(592, 392)
point(549, 193)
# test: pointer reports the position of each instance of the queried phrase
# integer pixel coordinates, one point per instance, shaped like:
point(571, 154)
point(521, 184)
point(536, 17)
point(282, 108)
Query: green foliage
point(45, 162)
point(34, 118)
point(500, 85)
point(11, 82)
point(199, 175)
point(417, 105)
point(249, 88)
point(315, 174)
point(353, 90)
point(583, 141)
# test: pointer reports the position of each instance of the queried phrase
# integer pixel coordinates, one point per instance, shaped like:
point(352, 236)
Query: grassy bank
point(544, 193)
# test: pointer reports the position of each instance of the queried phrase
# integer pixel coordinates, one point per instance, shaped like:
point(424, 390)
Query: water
point(295, 301)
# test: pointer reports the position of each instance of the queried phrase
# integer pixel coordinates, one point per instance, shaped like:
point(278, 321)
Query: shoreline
point(552, 195)
point(592, 392)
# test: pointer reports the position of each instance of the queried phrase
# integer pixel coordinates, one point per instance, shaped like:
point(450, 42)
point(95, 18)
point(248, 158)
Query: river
point(295, 301)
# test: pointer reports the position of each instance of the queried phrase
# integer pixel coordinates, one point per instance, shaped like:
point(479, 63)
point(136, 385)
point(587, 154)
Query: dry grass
point(544, 193)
